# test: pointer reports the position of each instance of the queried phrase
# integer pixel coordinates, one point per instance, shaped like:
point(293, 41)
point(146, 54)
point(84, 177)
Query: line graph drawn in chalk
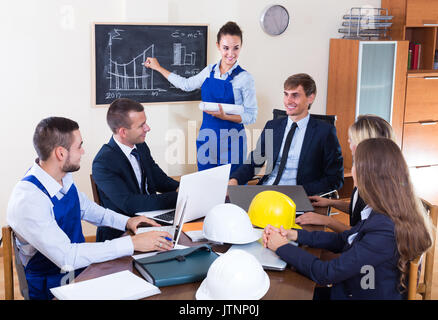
point(130, 75)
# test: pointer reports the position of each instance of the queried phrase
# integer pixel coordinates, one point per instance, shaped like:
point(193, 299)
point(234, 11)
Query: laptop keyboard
point(168, 216)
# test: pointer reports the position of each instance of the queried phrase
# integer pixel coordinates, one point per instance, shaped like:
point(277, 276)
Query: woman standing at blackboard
point(227, 83)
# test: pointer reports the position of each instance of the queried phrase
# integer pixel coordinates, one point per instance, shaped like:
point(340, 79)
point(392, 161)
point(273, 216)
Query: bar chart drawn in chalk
point(130, 75)
point(181, 57)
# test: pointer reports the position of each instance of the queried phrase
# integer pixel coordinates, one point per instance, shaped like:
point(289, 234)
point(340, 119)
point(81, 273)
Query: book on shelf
point(414, 60)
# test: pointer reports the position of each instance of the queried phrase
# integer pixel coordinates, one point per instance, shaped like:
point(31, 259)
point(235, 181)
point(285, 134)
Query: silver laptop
point(174, 229)
point(267, 258)
point(243, 195)
point(203, 189)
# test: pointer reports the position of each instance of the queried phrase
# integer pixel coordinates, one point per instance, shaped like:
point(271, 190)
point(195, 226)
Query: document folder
point(176, 266)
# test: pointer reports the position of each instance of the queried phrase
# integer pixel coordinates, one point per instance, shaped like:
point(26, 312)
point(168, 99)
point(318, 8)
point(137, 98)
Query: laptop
point(267, 258)
point(243, 195)
point(203, 189)
point(174, 229)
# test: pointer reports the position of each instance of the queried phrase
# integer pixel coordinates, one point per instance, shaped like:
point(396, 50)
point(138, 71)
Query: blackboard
point(119, 51)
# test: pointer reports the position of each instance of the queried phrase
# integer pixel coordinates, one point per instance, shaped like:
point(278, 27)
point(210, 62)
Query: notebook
point(122, 285)
point(193, 230)
point(176, 266)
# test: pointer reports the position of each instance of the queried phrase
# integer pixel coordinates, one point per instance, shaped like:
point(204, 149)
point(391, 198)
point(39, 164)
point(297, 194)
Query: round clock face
point(275, 20)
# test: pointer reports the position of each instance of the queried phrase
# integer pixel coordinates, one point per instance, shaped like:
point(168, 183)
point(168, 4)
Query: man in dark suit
point(298, 149)
point(125, 173)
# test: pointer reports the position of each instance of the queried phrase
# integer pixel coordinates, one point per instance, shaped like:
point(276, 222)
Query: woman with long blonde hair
point(393, 231)
point(365, 127)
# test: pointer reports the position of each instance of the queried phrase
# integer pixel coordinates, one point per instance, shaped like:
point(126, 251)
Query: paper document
point(193, 226)
point(195, 235)
point(122, 285)
point(228, 108)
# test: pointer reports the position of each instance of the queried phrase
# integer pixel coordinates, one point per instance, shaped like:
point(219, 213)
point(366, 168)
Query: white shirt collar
point(365, 213)
point(125, 149)
point(51, 185)
point(302, 124)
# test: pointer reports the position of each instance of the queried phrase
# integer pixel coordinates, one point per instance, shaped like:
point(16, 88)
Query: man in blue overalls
point(45, 211)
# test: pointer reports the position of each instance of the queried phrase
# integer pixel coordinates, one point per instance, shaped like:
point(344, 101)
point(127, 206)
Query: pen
point(167, 238)
point(327, 193)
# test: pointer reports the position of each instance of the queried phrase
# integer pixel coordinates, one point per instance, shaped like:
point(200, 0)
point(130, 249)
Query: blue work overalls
point(41, 273)
point(220, 141)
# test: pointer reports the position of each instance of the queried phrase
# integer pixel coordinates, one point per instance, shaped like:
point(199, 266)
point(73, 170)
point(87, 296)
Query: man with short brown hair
point(45, 211)
point(126, 175)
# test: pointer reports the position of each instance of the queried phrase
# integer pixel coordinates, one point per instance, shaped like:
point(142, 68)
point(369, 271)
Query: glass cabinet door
point(376, 78)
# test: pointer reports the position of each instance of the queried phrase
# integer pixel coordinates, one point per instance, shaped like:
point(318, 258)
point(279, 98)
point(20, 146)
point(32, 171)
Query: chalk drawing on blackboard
point(181, 57)
point(131, 75)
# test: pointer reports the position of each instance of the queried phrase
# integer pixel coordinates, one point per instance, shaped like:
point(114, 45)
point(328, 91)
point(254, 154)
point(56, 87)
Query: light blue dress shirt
point(289, 176)
point(243, 88)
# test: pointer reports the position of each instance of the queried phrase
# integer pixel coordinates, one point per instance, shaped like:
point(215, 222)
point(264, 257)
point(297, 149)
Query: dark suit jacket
point(320, 167)
point(118, 187)
point(374, 245)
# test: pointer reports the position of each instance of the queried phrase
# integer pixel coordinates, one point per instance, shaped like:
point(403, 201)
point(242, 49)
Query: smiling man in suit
point(126, 175)
point(298, 149)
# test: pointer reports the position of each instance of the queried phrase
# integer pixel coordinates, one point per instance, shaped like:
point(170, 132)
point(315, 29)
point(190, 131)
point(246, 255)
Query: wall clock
point(275, 20)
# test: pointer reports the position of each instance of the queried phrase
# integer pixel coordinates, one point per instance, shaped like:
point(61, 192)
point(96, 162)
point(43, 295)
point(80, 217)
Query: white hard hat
point(229, 223)
point(236, 275)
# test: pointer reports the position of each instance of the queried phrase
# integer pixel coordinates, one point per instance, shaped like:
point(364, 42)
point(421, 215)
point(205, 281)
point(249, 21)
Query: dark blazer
point(320, 167)
point(374, 245)
point(118, 187)
point(359, 206)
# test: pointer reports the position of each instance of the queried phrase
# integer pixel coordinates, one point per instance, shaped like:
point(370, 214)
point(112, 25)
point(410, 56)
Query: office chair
point(96, 196)
point(9, 244)
point(417, 285)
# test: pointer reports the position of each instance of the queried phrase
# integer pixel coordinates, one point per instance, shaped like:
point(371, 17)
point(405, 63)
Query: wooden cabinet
point(366, 77)
point(417, 21)
point(420, 12)
point(421, 98)
point(420, 143)
point(424, 181)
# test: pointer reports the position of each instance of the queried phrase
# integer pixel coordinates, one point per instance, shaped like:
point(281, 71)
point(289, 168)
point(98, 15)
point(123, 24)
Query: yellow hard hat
point(274, 208)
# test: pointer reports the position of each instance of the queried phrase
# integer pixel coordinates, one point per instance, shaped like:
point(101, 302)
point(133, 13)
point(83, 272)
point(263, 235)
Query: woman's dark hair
point(231, 28)
point(384, 183)
point(53, 132)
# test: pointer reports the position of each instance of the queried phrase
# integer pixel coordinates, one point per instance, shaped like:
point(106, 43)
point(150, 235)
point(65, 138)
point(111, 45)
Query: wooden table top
point(284, 285)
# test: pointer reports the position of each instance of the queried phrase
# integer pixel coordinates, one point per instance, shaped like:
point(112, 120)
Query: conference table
point(284, 285)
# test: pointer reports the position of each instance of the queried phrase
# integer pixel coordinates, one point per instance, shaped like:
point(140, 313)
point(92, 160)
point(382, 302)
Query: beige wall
point(45, 60)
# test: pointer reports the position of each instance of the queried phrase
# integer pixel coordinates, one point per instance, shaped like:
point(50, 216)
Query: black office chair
point(277, 113)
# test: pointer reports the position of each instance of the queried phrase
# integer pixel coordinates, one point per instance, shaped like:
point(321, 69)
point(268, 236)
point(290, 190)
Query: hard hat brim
point(253, 236)
point(201, 293)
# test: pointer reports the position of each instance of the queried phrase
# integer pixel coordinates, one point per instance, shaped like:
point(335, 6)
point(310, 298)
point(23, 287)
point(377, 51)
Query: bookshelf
point(417, 21)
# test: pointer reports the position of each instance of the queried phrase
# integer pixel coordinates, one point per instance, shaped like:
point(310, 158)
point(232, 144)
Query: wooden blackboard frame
point(94, 65)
